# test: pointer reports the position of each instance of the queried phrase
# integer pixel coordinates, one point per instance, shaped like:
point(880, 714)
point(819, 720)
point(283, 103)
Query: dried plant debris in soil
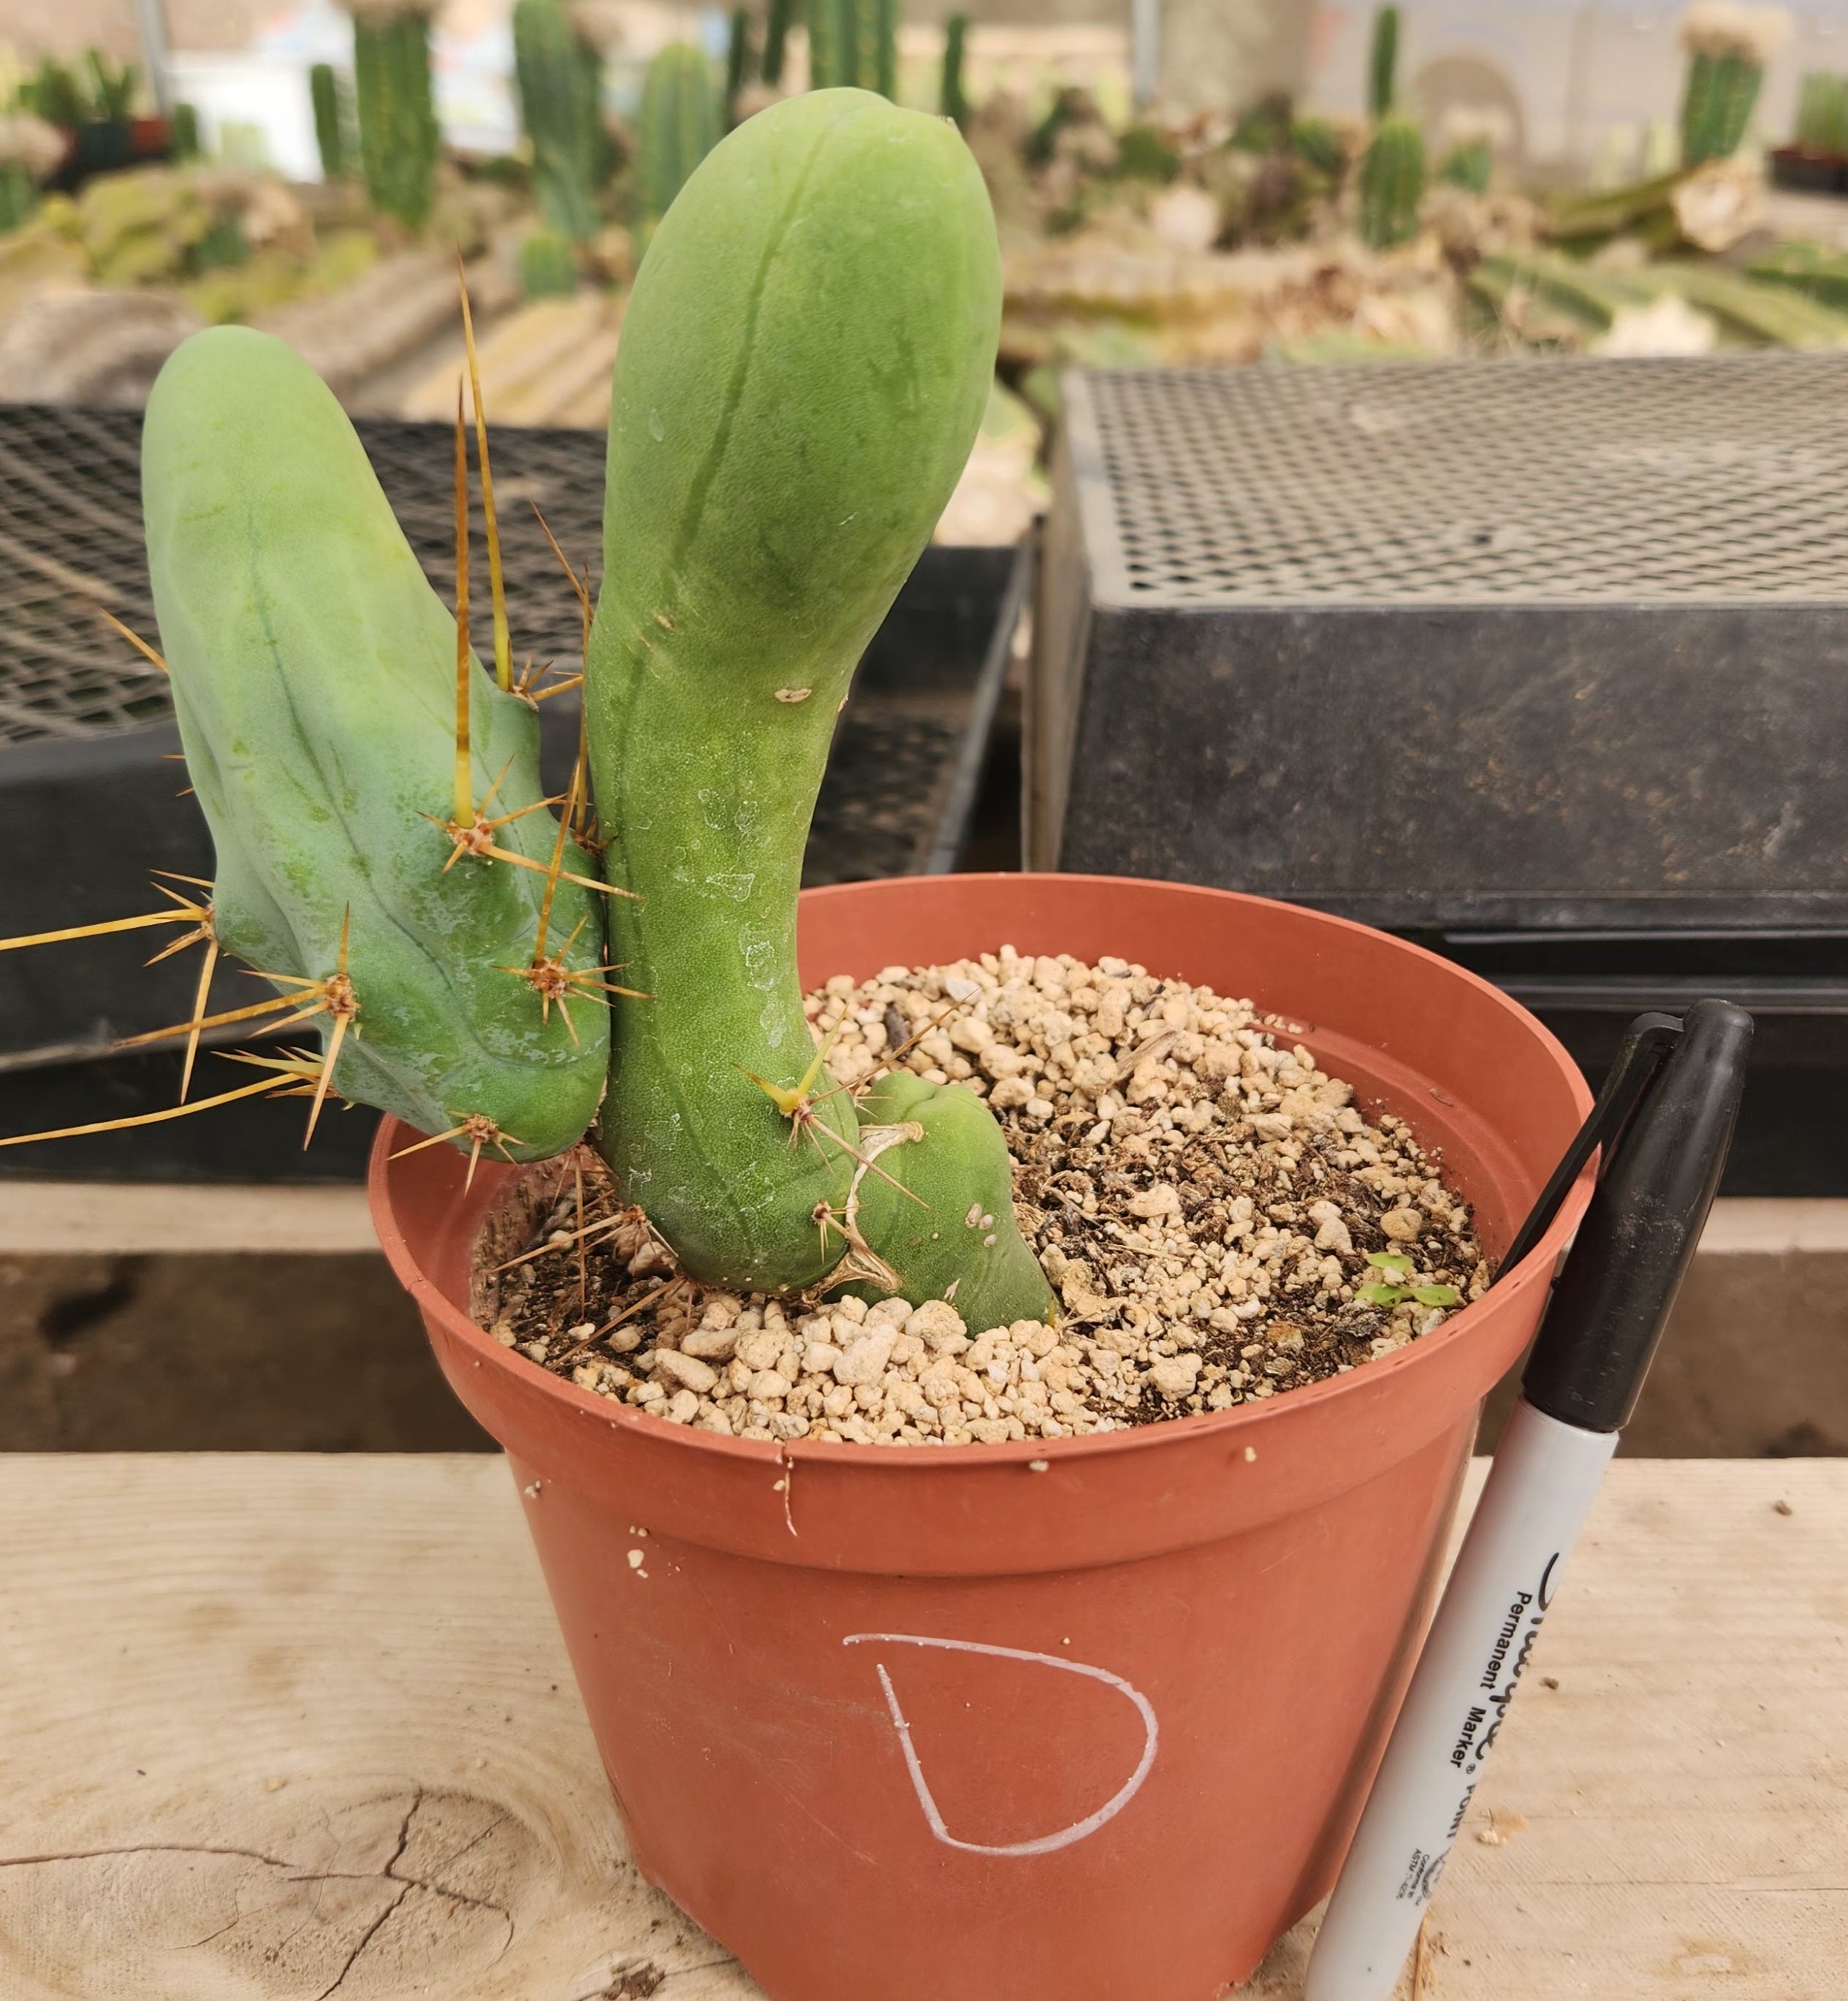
point(1219, 1220)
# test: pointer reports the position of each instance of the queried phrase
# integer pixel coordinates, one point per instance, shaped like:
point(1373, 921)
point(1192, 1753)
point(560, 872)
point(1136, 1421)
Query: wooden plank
point(271, 1727)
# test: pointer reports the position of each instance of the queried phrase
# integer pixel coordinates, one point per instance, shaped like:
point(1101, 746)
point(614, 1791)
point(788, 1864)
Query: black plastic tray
point(91, 791)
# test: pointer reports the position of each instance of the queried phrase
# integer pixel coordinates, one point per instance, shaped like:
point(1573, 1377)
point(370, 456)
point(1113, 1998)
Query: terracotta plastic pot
point(1089, 1720)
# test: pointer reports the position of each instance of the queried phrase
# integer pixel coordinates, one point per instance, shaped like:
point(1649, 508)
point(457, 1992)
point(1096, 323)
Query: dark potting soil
point(1205, 1201)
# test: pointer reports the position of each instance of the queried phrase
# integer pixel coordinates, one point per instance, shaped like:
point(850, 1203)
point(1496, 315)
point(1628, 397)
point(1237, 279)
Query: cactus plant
point(560, 79)
point(747, 560)
point(1382, 63)
point(400, 139)
point(679, 123)
point(805, 360)
point(740, 61)
point(854, 43)
point(548, 270)
point(1392, 182)
point(1822, 115)
point(184, 133)
point(953, 99)
point(1727, 47)
point(784, 15)
point(316, 680)
point(328, 99)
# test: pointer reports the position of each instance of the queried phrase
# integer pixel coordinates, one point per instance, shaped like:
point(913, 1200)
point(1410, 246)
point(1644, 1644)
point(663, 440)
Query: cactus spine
point(1391, 183)
point(679, 123)
point(952, 100)
point(327, 98)
point(560, 89)
point(400, 139)
point(1383, 65)
point(805, 360)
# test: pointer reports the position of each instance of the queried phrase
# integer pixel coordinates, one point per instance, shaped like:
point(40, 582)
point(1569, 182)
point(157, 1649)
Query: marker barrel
point(1540, 1490)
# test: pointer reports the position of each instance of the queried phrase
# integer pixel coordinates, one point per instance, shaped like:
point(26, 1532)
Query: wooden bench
point(280, 1728)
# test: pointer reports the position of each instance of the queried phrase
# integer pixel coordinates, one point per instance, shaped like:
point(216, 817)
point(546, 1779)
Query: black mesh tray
point(91, 786)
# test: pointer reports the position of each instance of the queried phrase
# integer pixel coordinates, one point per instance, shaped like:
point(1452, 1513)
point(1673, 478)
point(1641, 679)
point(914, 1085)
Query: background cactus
point(1727, 47)
point(1382, 63)
point(953, 99)
point(1391, 183)
point(559, 79)
point(1822, 114)
point(740, 61)
point(749, 553)
point(782, 17)
point(331, 120)
point(854, 44)
point(399, 140)
point(548, 267)
point(679, 125)
point(314, 676)
point(1469, 164)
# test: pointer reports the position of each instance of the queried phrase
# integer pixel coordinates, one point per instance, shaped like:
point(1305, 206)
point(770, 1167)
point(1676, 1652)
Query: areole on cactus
point(805, 360)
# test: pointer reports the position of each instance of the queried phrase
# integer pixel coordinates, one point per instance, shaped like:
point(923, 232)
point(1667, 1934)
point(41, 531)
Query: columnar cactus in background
point(400, 139)
point(1822, 114)
point(782, 18)
point(1391, 183)
point(854, 43)
point(679, 123)
point(1382, 63)
point(548, 267)
point(805, 360)
point(327, 99)
point(952, 100)
point(740, 61)
point(559, 77)
point(1727, 48)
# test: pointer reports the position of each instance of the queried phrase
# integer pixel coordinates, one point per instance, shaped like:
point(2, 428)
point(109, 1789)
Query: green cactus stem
point(401, 884)
point(679, 123)
point(399, 140)
point(1383, 65)
point(560, 95)
point(953, 98)
point(1391, 183)
point(783, 16)
point(548, 269)
point(330, 121)
point(1822, 115)
point(740, 61)
point(833, 43)
point(805, 361)
point(184, 133)
point(1716, 107)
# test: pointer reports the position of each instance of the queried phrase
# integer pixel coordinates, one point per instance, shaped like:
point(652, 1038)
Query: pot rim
point(1536, 1269)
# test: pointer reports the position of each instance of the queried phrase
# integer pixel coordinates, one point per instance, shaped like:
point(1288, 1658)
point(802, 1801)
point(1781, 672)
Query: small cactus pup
point(327, 100)
point(559, 77)
point(1727, 47)
point(805, 361)
point(1392, 184)
point(397, 879)
point(679, 125)
point(400, 139)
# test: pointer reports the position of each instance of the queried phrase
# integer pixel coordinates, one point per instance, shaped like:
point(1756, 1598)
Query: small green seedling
point(1395, 1291)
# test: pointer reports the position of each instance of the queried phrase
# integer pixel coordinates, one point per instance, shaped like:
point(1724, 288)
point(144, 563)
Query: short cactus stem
point(1383, 65)
point(1392, 184)
point(953, 98)
point(327, 98)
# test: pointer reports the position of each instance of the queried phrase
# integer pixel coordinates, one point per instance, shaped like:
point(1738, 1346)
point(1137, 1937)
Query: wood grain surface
point(278, 1728)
